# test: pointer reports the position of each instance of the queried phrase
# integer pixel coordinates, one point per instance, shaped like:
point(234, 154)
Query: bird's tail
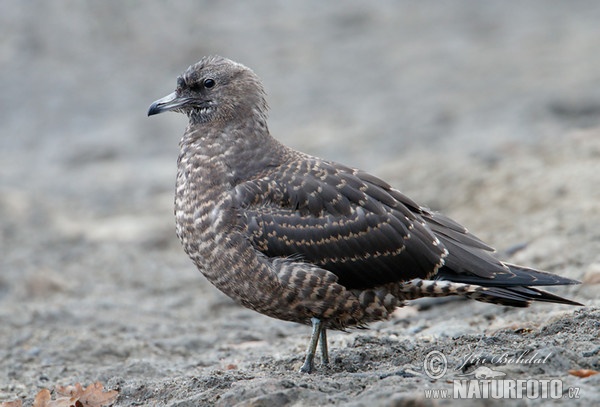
point(509, 276)
point(470, 270)
point(514, 296)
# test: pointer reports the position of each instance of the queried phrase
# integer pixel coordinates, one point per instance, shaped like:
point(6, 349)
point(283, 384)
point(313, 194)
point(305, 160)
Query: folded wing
point(341, 219)
point(367, 233)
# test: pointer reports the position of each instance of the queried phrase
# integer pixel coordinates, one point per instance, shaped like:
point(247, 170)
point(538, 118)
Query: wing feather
point(343, 220)
point(369, 234)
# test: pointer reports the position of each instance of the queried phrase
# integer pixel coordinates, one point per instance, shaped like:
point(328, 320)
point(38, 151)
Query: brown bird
point(303, 239)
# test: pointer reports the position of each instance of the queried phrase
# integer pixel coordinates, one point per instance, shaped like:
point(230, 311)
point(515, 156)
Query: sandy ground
point(487, 112)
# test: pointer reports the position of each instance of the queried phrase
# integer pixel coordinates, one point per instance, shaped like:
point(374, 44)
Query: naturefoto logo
point(485, 382)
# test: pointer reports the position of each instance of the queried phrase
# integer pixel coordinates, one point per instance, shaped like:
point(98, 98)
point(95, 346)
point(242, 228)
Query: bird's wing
point(470, 261)
point(344, 220)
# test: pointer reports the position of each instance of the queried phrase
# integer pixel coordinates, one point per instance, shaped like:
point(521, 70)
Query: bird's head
point(215, 89)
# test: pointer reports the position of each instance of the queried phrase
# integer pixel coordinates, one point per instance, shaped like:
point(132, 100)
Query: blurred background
point(363, 83)
point(360, 82)
point(398, 88)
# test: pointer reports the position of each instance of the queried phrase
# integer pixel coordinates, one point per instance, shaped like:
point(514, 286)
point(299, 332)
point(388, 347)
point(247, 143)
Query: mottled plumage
point(307, 240)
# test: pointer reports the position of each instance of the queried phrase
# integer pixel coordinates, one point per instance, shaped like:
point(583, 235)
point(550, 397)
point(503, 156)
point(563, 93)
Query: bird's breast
point(202, 204)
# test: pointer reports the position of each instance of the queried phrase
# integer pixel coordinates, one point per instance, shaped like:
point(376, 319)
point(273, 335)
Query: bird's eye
point(209, 83)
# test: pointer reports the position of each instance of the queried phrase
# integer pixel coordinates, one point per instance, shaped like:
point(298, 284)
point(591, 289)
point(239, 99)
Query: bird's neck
point(225, 155)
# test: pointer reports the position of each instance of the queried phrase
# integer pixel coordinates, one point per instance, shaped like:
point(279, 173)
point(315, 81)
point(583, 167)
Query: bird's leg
point(312, 345)
point(324, 350)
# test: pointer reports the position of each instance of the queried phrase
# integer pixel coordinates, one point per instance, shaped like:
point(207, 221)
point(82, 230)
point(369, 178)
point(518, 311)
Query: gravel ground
point(487, 111)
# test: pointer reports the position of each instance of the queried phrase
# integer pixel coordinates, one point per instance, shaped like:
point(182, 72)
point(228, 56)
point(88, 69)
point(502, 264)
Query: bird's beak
point(169, 102)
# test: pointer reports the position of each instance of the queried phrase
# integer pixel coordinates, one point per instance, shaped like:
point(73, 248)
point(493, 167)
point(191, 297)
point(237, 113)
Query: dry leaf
point(15, 403)
point(69, 391)
point(42, 398)
point(583, 372)
point(94, 395)
point(77, 396)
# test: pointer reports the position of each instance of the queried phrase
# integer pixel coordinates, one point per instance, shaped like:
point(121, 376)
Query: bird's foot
point(318, 332)
point(308, 365)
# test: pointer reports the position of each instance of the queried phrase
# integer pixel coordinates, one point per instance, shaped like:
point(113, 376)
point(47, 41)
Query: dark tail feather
point(518, 296)
point(514, 276)
point(530, 276)
point(514, 296)
point(471, 271)
point(512, 288)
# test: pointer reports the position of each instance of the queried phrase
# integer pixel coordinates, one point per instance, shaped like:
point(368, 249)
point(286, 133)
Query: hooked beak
point(169, 102)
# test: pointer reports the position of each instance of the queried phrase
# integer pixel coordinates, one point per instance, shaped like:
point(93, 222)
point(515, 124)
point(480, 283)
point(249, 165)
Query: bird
point(303, 239)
